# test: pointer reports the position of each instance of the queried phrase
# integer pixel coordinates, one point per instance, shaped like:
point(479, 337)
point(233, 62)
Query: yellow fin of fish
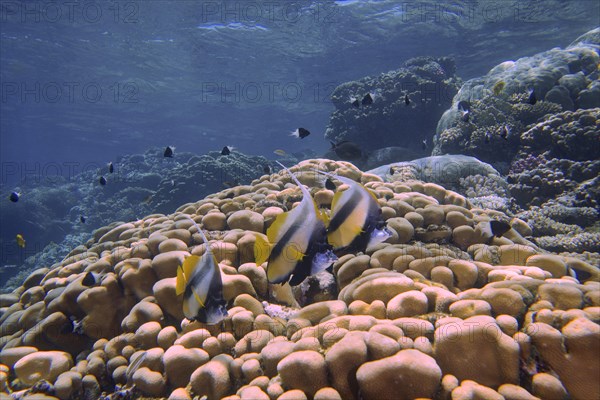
point(262, 250)
point(181, 281)
point(292, 252)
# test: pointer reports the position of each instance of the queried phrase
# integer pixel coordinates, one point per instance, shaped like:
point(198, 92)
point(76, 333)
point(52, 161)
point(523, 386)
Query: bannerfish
point(280, 152)
point(226, 150)
point(406, 100)
point(14, 197)
point(464, 105)
point(300, 133)
point(296, 245)
point(20, 241)
point(199, 281)
point(82, 219)
point(504, 133)
point(347, 150)
point(111, 167)
point(355, 221)
point(102, 180)
point(169, 152)
point(424, 144)
point(354, 101)
point(532, 99)
point(368, 99)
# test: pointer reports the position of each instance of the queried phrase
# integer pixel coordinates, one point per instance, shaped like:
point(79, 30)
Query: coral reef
point(429, 83)
point(49, 213)
point(449, 310)
point(562, 80)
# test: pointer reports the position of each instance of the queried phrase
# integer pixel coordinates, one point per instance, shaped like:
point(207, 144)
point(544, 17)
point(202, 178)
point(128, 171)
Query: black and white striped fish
point(355, 222)
point(296, 245)
point(199, 281)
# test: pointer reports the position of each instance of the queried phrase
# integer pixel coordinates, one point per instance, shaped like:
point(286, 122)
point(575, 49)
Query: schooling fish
point(102, 181)
point(297, 242)
point(354, 101)
point(14, 197)
point(532, 99)
point(111, 167)
point(20, 241)
point(491, 229)
point(169, 152)
point(465, 116)
point(406, 100)
point(329, 184)
point(424, 144)
point(355, 221)
point(347, 150)
point(199, 281)
point(504, 133)
point(300, 133)
point(226, 150)
point(82, 219)
point(464, 105)
point(487, 137)
point(280, 152)
point(368, 99)
point(266, 168)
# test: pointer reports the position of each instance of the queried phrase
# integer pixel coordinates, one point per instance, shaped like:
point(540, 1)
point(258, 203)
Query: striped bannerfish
point(199, 280)
point(355, 222)
point(297, 243)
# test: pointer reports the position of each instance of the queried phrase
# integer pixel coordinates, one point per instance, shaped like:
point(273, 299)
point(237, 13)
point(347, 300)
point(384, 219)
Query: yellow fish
point(20, 241)
point(356, 221)
point(280, 152)
point(199, 281)
point(297, 242)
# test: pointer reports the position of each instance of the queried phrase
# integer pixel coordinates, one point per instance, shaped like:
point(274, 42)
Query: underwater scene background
point(436, 234)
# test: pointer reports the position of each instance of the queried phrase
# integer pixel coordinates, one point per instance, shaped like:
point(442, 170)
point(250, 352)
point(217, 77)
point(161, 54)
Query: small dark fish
point(148, 199)
point(532, 97)
point(464, 105)
point(367, 99)
point(14, 197)
point(88, 280)
point(504, 133)
point(354, 101)
point(111, 167)
point(226, 150)
point(347, 150)
point(102, 180)
point(424, 144)
point(392, 171)
point(329, 184)
point(82, 219)
point(169, 152)
point(465, 116)
point(487, 137)
point(266, 169)
point(499, 228)
point(300, 133)
point(406, 99)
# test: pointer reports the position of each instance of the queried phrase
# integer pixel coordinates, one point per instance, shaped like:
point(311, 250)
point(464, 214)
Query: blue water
point(83, 83)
